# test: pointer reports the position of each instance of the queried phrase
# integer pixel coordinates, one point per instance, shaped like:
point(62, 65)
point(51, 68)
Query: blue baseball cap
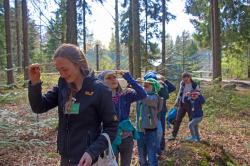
point(150, 74)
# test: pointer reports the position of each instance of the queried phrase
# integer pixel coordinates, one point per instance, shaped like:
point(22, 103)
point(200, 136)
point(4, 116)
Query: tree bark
point(146, 35)
point(183, 52)
point(163, 37)
point(84, 26)
point(130, 41)
point(25, 39)
point(248, 55)
point(10, 77)
point(63, 26)
point(136, 38)
point(97, 57)
point(117, 41)
point(18, 40)
point(216, 45)
point(71, 22)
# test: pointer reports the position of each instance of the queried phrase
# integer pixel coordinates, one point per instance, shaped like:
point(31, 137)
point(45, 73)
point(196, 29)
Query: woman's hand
point(34, 72)
point(86, 160)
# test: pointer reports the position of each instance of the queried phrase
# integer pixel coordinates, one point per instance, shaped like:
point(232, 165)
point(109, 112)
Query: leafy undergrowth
point(26, 139)
point(223, 143)
point(224, 130)
point(202, 154)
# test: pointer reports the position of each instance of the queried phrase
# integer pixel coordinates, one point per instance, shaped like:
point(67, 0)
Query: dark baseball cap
point(186, 74)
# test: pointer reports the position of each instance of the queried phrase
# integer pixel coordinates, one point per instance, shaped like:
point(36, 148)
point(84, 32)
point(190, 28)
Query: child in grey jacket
point(147, 110)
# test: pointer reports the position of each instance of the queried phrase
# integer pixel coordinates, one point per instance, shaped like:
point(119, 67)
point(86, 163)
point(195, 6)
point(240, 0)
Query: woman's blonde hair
point(76, 56)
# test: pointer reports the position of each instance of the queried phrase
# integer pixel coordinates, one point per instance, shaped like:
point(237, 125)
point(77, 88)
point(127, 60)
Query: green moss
point(52, 155)
point(199, 154)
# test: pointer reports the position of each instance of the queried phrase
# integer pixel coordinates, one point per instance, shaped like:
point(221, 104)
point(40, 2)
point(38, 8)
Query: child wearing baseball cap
point(196, 101)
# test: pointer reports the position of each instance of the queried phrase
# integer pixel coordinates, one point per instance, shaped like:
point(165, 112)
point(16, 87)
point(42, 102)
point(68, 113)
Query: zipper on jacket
point(67, 136)
point(88, 139)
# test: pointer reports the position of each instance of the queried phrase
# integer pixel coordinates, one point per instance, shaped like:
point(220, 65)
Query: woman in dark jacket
point(84, 107)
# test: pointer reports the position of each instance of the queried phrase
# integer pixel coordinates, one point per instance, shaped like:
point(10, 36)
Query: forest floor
point(225, 131)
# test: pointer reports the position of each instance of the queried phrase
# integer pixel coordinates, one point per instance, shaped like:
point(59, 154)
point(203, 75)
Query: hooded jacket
point(147, 109)
point(79, 133)
point(166, 88)
point(126, 99)
point(196, 106)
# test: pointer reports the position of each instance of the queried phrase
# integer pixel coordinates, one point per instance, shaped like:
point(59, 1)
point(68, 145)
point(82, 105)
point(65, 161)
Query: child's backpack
point(171, 116)
point(148, 118)
point(153, 114)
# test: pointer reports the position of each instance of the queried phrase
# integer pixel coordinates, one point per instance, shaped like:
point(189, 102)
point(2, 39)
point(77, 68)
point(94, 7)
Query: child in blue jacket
point(196, 101)
point(123, 143)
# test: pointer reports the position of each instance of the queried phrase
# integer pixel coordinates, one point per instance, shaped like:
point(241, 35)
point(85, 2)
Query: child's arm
point(201, 99)
point(139, 92)
point(171, 87)
point(164, 91)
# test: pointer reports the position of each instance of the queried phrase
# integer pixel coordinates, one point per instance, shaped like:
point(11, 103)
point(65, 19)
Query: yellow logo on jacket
point(89, 93)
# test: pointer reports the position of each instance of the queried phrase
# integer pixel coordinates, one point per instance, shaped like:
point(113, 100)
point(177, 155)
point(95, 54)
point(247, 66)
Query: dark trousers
point(125, 150)
point(181, 112)
point(65, 162)
point(163, 123)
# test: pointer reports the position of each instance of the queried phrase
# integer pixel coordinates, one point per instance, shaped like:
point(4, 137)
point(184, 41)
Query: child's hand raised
point(119, 72)
point(188, 94)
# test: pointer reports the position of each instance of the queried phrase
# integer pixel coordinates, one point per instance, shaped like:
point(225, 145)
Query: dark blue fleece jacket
point(196, 106)
point(79, 133)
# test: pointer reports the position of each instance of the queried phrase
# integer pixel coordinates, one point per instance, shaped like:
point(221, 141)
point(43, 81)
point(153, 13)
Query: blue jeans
point(159, 136)
point(193, 126)
point(147, 148)
point(163, 124)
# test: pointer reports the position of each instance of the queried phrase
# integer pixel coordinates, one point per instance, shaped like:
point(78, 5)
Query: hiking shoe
point(194, 140)
point(171, 138)
point(190, 138)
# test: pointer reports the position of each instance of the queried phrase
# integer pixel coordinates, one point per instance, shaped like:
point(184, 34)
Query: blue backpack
point(171, 116)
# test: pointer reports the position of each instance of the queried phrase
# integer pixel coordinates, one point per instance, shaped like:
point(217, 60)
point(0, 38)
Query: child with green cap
point(147, 110)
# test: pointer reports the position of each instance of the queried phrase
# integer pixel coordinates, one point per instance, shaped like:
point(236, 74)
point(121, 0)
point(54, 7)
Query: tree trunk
point(183, 53)
point(216, 46)
point(117, 42)
point(71, 22)
point(63, 26)
point(84, 26)
point(97, 57)
point(163, 37)
point(248, 55)
point(136, 38)
point(25, 39)
point(146, 35)
point(10, 77)
point(18, 40)
point(130, 48)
